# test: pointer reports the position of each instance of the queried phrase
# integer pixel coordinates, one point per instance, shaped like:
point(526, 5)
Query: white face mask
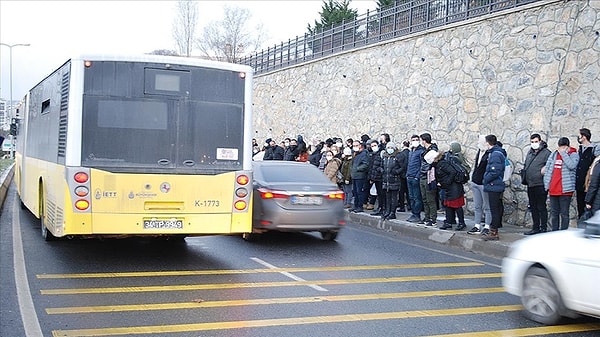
point(415, 143)
point(390, 150)
point(535, 146)
point(329, 157)
point(347, 151)
point(338, 144)
point(334, 152)
point(355, 148)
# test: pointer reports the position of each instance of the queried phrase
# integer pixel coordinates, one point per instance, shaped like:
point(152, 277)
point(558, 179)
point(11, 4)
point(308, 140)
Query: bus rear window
point(166, 82)
point(143, 115)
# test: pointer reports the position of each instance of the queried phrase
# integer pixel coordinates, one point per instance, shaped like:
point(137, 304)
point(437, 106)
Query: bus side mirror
point(13, 129)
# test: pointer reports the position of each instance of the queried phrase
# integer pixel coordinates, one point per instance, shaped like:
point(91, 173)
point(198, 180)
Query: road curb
point(471, 243)
point(6, 179)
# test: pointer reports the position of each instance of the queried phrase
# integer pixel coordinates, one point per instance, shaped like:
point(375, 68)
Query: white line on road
point(28, 315)
point(285, 273)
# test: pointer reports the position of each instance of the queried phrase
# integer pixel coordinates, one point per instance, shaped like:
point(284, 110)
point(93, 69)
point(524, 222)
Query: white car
point(556, 274)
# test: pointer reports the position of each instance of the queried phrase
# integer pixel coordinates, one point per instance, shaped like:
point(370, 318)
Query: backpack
point(461, 175)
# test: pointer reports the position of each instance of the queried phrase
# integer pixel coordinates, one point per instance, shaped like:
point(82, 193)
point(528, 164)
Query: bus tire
point(249, 236)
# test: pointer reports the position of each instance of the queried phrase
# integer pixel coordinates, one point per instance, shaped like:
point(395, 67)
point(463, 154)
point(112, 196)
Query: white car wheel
point(540, 297)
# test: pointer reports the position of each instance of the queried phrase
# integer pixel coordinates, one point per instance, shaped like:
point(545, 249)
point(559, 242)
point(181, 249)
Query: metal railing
point(404, 18)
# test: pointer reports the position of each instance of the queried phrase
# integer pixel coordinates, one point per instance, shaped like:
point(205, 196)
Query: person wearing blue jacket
point(493, 184)
point(413, 176)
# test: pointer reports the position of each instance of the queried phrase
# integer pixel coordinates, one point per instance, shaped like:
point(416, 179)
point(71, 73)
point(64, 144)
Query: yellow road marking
point(257, 271)
point(75, 291)
point(267, 301)
point(195, 327)
point(544, 330)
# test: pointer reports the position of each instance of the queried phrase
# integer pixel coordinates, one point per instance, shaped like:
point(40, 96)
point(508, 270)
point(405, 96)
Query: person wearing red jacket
point(559, 181)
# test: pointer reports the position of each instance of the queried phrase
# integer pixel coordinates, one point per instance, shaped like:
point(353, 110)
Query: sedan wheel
point(541, 300)
point(329, 236)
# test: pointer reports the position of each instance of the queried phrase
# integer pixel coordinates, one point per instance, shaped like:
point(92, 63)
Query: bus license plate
point(297, 200)
point(163, 224)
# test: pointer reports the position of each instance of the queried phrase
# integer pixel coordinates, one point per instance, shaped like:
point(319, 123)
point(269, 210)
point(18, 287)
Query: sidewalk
point(460, 239)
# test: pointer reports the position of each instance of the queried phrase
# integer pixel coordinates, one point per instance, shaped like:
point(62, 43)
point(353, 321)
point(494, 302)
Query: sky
point(58, 30)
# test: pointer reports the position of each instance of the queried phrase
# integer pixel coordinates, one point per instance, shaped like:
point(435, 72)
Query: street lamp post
point(12, 107)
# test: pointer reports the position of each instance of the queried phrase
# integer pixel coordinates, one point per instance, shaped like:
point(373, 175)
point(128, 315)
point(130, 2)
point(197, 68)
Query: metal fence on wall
point(406, 17)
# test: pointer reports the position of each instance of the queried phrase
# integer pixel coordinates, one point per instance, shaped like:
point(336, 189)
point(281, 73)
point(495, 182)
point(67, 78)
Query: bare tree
point(230, 38)
point(184, 26)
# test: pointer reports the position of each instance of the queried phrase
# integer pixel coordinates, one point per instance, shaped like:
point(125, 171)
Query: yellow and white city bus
point(138, 145)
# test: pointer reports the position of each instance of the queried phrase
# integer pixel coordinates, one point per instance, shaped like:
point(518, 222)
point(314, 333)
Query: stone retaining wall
point(535, 69)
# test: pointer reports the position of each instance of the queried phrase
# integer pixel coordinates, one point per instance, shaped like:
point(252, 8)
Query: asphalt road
point(368, 283)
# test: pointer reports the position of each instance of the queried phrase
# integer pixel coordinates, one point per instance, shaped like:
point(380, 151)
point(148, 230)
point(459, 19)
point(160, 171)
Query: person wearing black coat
point(445, 174)
point(391, 174)
point(592, 183)
point(273, 152)
point(374, 178)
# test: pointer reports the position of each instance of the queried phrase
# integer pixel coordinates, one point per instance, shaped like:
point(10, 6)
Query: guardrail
point(406, 17)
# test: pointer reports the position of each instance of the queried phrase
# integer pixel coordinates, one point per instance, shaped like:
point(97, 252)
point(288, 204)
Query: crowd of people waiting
point(414, 175)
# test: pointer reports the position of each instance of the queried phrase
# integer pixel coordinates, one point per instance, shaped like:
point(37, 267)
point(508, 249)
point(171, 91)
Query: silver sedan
point(295, 197)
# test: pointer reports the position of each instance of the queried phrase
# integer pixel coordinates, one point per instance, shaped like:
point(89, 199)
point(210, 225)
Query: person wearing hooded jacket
point(532, 176)
point(445, 174)
point(391, 173)
point(427, 183)
point(493, 185)
point(559, 181)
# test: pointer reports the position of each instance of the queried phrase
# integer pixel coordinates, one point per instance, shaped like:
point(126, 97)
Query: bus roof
point(190, 61)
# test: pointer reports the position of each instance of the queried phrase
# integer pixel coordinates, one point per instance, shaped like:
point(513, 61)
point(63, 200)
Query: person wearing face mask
point(493, 185)
point(332, 166)
point(291, 151)
point(532, 176)
point(374, 178)
point(587, 152)
point(358, 173)
point(559, 181)
point(347, 185)
point(413, 176)
point(391, 174)
point(481, 203)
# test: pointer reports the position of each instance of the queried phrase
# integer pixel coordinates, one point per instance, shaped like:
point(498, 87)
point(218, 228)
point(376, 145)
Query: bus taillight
point(82, 204)
point(81, 191)
point(242, 179)
point(87, 63)
point(241, 192)
point(240, 205)
point(242, 75)
point(81, 177)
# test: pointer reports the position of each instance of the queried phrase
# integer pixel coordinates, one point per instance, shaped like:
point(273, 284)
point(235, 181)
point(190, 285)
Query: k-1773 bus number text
point(207, 203)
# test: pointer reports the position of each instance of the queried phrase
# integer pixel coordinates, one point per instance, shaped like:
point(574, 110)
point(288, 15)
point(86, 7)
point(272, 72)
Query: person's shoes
point(413, 219)
point(532, 232)
point(422, 221)
point(370, 207)
point(377, 213)
point(441, 211)
point(347, 206)
point(400, 209)
point(429, 223)
point(473, 231)
point(356, 210)
point(390, 216)
point(446, 226)
point(492, 235)
point(385, 215)
point(461, 226)
point(485, 231)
